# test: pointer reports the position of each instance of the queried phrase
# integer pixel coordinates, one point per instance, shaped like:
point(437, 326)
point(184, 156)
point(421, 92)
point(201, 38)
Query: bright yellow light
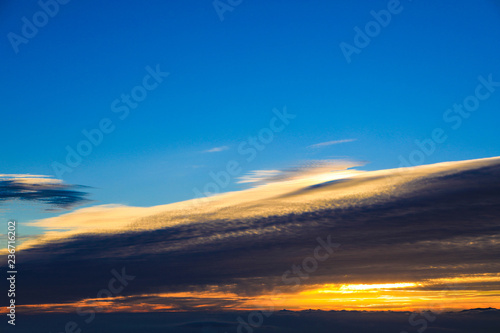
point(355, 287)
point(347, 288)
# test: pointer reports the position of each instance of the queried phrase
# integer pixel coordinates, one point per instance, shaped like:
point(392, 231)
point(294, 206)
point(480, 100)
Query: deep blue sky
point(225, 79)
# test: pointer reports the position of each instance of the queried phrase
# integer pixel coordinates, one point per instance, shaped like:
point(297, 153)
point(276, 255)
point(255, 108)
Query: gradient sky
point(225, 79)
point(231, 77)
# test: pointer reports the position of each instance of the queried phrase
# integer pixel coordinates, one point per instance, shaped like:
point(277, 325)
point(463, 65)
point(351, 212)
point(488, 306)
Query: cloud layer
point(415, 225)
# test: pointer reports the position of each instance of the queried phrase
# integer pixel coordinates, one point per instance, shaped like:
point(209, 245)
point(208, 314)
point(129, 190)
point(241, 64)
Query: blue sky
point(225, 79)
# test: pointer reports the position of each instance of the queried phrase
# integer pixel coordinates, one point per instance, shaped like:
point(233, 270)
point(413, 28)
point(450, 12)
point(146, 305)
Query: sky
point(225, 79)
point(118, 110)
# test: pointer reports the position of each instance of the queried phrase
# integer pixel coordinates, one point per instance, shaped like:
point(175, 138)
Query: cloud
point(258, 176)
point(303, 170)
point(216, 149)
point(424, 225)
point(329, 143)
point(42, 189)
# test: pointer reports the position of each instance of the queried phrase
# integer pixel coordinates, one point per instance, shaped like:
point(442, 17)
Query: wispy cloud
point(216, 149)
point(301, 170)
point(329, 143)
point(257, 176)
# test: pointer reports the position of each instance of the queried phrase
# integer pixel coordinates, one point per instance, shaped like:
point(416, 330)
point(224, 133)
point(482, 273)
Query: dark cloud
point(50, 192)
point(438, 225)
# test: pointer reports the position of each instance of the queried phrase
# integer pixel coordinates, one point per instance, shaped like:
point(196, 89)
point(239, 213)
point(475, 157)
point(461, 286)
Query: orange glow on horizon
point(396, 296)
